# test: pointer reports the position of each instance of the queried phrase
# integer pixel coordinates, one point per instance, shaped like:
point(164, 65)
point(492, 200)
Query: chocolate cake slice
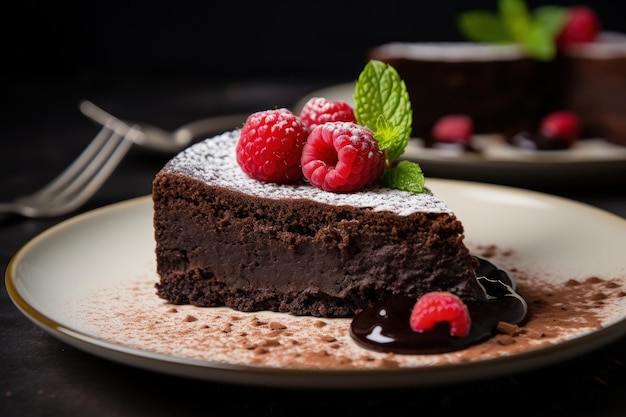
point(224, 239)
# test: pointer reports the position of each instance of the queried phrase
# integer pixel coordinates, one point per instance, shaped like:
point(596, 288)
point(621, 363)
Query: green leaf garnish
point(483, 26)
point(382, 104)
point(514, 23)
point(517, 21)
point(539, 43)
point(551, 18)
point(405, 176)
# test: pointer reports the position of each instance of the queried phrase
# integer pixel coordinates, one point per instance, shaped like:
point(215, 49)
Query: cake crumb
point(504, 339)
point(535, 334)
point(256, 322)
point(389, 363)
point(271, 342)
point(261, 350)
point(598, 296)
point(508, 328)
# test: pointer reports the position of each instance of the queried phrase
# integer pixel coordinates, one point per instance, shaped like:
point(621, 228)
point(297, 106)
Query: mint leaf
point(539, 43)
point(405, 176)
point(516, 19)
point(482, 26)
point(389, 138)
point(551, 18)
point(382, 104)
point(514, 23)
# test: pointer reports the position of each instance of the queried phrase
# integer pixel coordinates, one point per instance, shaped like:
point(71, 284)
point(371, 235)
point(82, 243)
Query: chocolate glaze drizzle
point(385, 327)
point(538, 142)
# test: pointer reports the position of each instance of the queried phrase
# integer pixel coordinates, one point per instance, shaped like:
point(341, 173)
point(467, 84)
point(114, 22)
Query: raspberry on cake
point(270, 146)
point(319, 110)
point(342, 157)
point(563, 125)
point(581, 26)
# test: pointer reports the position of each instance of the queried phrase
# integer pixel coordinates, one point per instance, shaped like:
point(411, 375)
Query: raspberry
point(436, 307)
point(270, 146)
point(582, 25)
point(319, 110)
point(453, 128)
point(563, 125)
point(342, 157)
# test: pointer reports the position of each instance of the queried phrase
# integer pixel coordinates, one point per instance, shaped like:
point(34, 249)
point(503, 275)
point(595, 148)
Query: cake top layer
point(609, 45)
point(450, 51)
point(213, 161)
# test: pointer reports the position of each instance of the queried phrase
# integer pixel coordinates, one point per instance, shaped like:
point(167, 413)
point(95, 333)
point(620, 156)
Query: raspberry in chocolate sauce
point(385, 327)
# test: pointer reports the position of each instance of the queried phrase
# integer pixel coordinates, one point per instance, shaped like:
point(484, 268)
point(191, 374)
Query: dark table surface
point(40, 375)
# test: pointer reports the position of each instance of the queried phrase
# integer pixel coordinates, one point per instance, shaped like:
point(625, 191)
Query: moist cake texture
point(224, 239)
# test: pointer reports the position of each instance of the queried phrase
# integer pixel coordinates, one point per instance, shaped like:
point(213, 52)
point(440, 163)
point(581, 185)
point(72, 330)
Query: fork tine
point(85, 185)
point(80, 181)
point(77, 166)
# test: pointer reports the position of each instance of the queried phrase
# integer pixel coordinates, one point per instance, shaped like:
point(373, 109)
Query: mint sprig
point(405, 176)
point(382, 104)
point(513, 23)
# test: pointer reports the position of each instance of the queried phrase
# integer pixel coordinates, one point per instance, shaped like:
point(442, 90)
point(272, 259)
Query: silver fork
point(79, 181)
point(155, 139)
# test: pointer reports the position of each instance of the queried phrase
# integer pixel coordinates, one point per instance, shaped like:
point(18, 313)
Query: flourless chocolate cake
point(224, 239)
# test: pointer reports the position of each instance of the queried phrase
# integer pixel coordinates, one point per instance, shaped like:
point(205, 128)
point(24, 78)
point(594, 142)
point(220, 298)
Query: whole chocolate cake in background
point(595, 86)
point(505, 86)
point(499, 86)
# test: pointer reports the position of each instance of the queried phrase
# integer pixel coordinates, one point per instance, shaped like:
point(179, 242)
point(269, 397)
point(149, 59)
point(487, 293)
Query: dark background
point(167, 64)
point(56, 54)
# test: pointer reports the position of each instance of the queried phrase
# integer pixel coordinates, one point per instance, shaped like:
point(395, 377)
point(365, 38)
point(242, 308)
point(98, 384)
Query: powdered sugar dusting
point(450, 51)
point(610, 45)
point(213, 161)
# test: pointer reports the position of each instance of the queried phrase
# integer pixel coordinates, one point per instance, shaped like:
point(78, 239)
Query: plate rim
point(307, 377)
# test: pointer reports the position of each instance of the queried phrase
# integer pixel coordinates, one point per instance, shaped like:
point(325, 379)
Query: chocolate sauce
point(452, 147)
point(385, 327)
point(538, 142)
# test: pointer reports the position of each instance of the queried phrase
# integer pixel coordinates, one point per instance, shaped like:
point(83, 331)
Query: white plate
point(589, 161)
point(89, 281)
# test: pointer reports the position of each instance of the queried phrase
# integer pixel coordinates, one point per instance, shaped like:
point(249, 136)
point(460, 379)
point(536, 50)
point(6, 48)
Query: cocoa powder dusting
point(134, 316)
